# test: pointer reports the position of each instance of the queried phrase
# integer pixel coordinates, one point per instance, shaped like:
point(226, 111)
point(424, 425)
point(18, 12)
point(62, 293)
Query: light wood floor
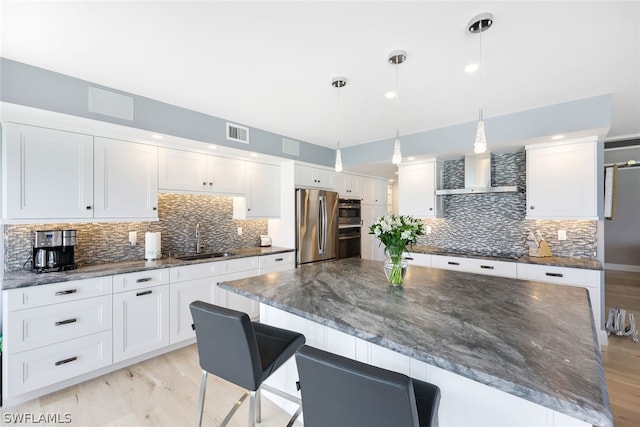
point(163, 391)
point(621, 358)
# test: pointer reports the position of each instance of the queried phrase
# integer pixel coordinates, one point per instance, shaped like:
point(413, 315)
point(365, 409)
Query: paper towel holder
point(152, 246)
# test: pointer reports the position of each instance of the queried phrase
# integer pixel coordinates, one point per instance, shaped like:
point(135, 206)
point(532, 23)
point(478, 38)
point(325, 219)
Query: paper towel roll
point(152, 246)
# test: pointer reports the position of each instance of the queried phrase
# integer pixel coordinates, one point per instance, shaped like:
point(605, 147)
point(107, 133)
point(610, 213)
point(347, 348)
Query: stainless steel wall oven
point(349, 228)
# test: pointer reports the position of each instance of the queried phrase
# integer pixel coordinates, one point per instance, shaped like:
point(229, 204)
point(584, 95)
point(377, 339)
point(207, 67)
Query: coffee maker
point(53, 250)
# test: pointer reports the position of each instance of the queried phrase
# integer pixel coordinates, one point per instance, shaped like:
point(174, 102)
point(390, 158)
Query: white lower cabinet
point(475, 265)
point(140, 321)
point(239, 269)
point(423, 260)
point(276, 262)
point(189, 283)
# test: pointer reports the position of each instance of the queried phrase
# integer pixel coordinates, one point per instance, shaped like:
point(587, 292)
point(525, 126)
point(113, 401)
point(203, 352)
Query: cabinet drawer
point(140, 279)
point(54, 293)
point(41, 367)
point(423, 260)
point(192, 272)
point(561, 275)
point(276, 262)
point(492, 268)
point(451, 263)
point(29, 329)
point(237, 265)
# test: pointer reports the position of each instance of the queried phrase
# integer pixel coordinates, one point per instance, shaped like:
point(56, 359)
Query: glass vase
point(395, 268)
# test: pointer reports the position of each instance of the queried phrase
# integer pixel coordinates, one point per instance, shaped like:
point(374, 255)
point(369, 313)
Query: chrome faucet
point(198, 238)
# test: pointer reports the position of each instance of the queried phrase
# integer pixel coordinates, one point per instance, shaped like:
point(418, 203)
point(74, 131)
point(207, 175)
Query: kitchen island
point(503, 351)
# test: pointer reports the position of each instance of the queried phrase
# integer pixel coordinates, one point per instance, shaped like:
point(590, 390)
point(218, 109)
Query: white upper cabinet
point(307, 176)
point(262, 193)
point(417, 185)
point(561, 180)
point(374, 191)
point(126, 179)
point(349, 186)
point(47, 173)
point(191, 172)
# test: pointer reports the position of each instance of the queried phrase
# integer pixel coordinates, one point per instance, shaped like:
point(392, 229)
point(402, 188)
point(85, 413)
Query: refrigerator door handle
point(320, 234)
point(324, 224)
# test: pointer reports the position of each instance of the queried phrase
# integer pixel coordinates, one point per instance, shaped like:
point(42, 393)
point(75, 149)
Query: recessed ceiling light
point(156, 136)
point(390, 180)
point(390, 95)
point(557, 137)
point(254, 154)
point(396, 172)
point(212, 147)
point(471, 68)
point(411, 158)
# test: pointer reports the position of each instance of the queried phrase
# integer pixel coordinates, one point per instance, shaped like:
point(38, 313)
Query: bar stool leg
point(203, 390)
point(252, 409)
point(258, 406)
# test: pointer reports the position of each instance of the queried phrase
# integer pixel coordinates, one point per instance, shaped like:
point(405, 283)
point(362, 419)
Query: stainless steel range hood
point(477, 177)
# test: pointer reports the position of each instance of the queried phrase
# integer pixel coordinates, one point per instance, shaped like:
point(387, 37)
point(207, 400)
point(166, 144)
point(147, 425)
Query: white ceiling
point(269, 65)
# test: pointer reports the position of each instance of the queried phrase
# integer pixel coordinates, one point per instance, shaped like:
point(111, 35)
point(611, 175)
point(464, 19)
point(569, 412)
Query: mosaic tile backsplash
point(494, 223)
point(178, 215)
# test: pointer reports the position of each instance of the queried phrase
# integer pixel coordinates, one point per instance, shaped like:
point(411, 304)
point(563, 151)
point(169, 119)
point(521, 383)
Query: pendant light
point(338, 82)
point(479, 24)
point(397, 57)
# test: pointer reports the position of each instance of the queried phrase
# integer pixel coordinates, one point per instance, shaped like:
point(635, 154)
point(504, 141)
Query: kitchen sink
point(204, 256)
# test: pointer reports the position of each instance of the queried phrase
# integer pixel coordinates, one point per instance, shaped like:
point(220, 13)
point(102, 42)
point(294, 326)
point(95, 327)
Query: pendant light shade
point(478, 24)
point(338, 82)
point(397, 57)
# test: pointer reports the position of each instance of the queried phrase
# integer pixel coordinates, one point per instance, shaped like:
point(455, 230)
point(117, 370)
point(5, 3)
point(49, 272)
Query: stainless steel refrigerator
point(316, 225)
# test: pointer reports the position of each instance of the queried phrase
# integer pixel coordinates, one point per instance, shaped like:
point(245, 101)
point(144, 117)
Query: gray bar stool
point(341, 392)
point(242, 352)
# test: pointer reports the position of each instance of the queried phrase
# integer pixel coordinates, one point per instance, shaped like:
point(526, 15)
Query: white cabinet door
point(276, 262)
point(182, 170)
point(307, 176)
point(370, 247)
point(349, 186)
point(234, 270)
point(374, 192)
point(561, 181)
point(263, 191)
point(126, 179)
point(417, 185)
point(225, 176)
point(48, 173)
point(181, 295)
point(140, 321)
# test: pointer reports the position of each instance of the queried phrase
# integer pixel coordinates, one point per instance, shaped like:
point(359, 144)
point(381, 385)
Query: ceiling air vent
point(237, 133)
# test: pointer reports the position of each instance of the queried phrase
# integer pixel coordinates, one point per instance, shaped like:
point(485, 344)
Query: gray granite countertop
point(28, 278)
point(556, 261)
point(530, 339)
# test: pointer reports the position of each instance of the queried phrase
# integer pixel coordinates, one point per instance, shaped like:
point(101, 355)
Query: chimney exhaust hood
point(477, 177)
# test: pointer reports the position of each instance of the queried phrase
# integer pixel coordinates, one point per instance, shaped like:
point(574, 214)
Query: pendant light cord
point(397, 104)
point(481, 86)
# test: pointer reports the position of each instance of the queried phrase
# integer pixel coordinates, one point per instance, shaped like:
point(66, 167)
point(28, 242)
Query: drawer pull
point(279, 259)
point(408, 258)
point(62, 362)
point(489, 267)
point(144, 279)
point(66, 292)
point(453, 263)
point(139, 294)
point(555, 274)
point(66, 322)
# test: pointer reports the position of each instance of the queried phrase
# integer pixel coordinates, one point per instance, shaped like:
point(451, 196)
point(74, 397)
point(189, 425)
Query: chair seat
point(275, 346)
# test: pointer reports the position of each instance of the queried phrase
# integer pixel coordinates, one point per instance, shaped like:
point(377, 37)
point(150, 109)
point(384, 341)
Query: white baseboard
point(622, 267)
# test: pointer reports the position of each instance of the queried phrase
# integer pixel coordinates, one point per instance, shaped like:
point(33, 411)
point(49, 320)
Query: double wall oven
point(349, 228)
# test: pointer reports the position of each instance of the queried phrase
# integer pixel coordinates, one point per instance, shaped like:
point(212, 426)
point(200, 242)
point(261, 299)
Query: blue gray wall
point(35, 87)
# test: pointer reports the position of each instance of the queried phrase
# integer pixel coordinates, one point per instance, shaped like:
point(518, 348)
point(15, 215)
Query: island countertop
point(533, 340)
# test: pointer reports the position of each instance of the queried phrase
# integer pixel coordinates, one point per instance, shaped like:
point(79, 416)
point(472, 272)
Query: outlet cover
point(428, 229)
point(562, 234)
point(239, 231)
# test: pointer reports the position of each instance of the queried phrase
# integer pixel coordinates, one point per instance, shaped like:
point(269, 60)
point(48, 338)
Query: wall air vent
point(290, 147)
point(237, 133)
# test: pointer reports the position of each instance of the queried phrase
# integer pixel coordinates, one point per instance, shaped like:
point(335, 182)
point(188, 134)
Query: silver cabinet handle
point(63, 361)
point(453, 263)
point(555, 274)
point(66, 292)
point(144, 279)
point(66, 322)
point(279, 259)
point(139, 294)
point(490, 267)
